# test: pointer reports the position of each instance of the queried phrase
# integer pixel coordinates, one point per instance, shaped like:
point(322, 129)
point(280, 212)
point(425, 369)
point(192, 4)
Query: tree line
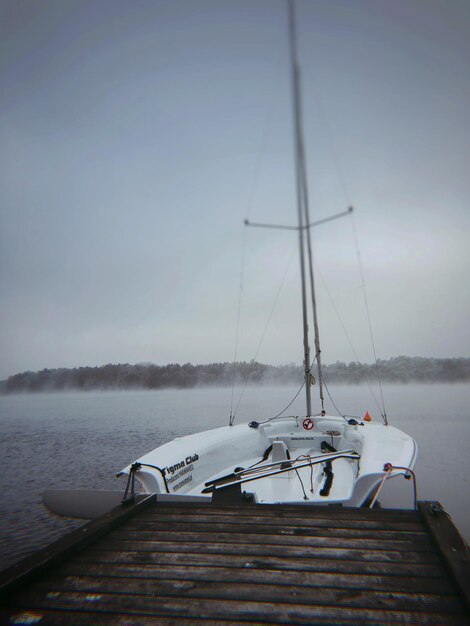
point(149, 376)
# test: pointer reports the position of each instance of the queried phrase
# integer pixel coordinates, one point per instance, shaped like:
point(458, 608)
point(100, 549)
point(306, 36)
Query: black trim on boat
point(135, 467)
point(326, 447)
point(325, 490)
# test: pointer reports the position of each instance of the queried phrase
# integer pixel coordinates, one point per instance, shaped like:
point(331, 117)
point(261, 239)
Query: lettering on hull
point(176, 471)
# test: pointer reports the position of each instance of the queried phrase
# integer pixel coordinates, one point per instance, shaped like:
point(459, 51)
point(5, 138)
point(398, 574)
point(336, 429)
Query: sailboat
point(308, 459)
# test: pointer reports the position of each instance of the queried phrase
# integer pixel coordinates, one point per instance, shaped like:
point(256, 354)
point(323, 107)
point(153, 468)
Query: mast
point(303, 216)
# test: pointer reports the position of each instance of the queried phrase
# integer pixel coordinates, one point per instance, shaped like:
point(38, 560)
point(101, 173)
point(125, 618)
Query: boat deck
point(186, 563)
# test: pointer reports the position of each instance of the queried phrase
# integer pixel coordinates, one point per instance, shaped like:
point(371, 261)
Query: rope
point(388, 469)
point(308, 457)
point(301, 483)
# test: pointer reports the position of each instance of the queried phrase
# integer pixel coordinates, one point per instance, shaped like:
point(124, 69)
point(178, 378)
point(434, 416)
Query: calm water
point(80, 440)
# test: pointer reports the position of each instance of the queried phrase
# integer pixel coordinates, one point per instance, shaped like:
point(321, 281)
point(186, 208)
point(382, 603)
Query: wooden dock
point(173, 563)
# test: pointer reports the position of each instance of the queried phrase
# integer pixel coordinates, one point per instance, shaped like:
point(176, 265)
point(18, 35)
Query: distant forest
point(148, 376)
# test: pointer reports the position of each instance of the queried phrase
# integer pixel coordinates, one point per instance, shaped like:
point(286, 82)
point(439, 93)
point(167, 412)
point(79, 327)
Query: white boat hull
point(281, 461)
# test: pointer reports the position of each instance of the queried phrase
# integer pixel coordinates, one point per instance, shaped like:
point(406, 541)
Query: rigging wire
point(295, 398)
point(327, 127)
point(371, 334)
point(240, 292)
point(285, 408)
point(260, 343)
point(340, 319)
point(303, 213)
point(332, 401)
point(267, 123)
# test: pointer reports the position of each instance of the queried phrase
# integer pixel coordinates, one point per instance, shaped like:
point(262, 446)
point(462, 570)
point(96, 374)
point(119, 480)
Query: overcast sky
point(135, 137)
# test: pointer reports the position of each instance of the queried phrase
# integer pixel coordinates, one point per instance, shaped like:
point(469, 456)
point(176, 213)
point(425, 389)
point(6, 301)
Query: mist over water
point(81, 439)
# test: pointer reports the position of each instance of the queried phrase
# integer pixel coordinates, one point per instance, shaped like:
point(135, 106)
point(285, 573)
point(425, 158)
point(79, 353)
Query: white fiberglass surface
point(305, 485)
point(187, 464)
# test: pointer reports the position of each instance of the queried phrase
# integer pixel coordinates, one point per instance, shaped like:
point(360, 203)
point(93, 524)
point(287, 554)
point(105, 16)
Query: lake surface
point(81, 439)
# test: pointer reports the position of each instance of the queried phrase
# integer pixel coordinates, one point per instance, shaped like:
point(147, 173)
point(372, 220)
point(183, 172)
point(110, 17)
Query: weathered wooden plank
point(202, 609)
point(420, 536)
point(260, 592)
point(256, 549)
point(420, 584)
point(43, 560)
point(255, 525)
point(68, 617)
point(175, 564)
point(168, 518)
point(90, 618)
point(421, 544)
point(452, 547)
point(282, 511)
point(267, 562)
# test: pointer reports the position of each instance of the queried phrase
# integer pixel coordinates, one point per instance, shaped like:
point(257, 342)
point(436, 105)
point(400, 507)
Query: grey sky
point(136, 137)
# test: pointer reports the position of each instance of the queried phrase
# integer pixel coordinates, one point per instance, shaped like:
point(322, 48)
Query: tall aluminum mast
point(303, 218)
point(303, 215)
